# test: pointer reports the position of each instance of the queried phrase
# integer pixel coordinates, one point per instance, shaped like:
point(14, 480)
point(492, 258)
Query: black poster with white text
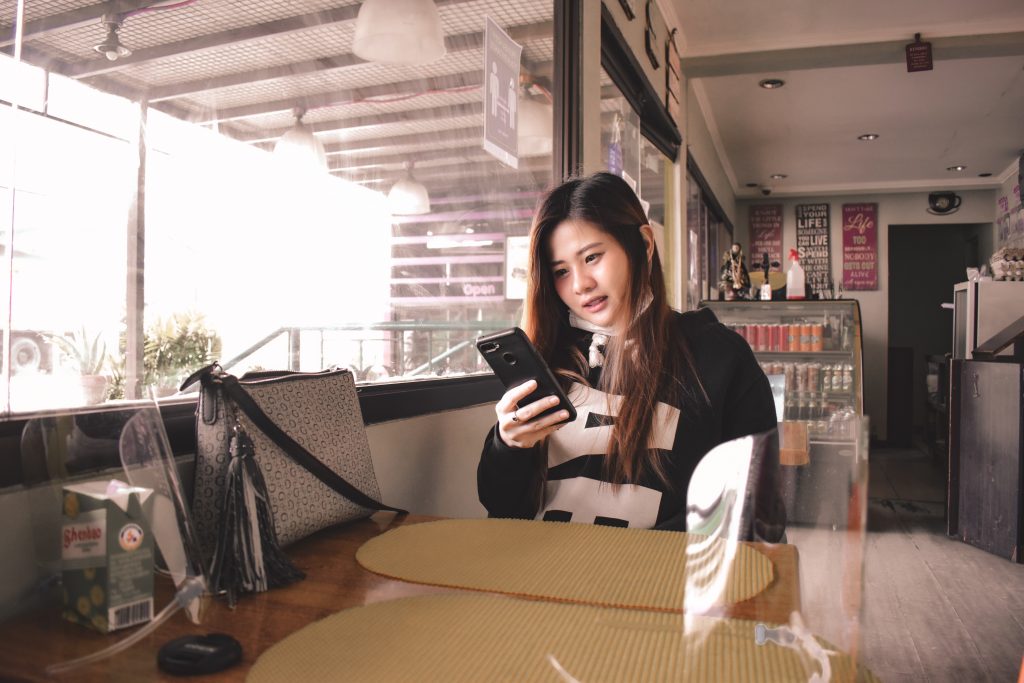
point(812, 242)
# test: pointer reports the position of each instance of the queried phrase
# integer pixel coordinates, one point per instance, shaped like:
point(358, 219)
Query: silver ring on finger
point(515, 415)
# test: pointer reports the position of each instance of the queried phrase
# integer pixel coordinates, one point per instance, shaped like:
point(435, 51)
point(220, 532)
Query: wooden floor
point(935, 609)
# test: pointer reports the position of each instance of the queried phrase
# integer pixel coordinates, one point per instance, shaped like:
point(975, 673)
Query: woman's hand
point(516, 424)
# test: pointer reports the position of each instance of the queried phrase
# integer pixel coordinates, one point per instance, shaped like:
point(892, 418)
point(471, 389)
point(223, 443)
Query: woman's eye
point(592, 257)
point(560, 273)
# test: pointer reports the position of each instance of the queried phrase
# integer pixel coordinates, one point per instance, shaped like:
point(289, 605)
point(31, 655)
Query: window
point(709, 235)
point(150, 227)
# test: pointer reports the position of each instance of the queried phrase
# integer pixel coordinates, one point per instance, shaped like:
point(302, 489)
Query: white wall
point(427, 464)
point(893, 209)
point(700, 145)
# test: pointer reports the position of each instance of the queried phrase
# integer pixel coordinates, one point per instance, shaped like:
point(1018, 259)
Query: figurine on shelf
point(734, 280)
point(766, 265)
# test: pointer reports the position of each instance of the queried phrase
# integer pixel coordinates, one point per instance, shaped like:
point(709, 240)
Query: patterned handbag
point(258, 484)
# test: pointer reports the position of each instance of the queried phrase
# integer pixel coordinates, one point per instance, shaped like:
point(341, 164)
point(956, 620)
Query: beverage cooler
point(812, 354)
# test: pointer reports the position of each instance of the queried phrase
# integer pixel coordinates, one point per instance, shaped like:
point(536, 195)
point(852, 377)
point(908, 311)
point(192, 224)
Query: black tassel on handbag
point(248, 557)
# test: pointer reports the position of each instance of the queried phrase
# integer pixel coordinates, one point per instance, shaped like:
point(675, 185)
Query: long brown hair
point(650, 361)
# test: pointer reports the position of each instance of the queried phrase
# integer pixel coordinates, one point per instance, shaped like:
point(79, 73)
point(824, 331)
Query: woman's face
point(591, 273)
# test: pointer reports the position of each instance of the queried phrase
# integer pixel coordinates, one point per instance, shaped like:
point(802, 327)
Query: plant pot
point(94, 388)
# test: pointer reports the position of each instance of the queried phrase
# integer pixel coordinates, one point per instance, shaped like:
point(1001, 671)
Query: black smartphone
point(515, 360)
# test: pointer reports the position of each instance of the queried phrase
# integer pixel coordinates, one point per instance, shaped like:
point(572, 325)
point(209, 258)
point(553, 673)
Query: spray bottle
point(795, 287)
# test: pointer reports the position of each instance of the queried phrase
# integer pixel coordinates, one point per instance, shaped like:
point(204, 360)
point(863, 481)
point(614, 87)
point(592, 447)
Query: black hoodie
point(740, 403)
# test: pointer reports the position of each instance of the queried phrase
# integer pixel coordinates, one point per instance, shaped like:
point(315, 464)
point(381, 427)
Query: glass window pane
point(266, 228)
point(22, 84)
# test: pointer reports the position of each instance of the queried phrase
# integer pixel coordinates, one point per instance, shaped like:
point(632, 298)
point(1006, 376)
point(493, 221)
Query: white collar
point(598, 342)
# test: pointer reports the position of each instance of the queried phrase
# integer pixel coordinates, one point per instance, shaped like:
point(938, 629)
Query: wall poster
point(860, 246)
point(765, 234)
point(813, 243)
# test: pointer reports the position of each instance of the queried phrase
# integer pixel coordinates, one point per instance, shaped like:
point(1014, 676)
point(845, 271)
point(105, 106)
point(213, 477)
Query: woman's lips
point(595, 305)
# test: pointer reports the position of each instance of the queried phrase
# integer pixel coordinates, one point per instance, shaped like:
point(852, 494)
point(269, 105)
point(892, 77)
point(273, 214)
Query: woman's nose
point(582, 282)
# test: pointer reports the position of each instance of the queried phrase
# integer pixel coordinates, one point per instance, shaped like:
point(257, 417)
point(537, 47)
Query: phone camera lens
point(509, 358)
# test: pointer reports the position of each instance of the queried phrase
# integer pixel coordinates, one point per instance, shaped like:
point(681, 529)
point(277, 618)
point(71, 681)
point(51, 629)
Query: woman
point(638, 373)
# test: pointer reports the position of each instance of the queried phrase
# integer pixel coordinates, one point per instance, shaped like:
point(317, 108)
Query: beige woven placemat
point(464, 637)
point(596, 565)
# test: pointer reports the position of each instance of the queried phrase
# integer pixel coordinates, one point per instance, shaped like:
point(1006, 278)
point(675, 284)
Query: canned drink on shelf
point(775, 332)
point(801, 377)
point(817, 337)
point(793, 338)
point(751, 335)
point(789, 370)
point(764, 337)
point(805, 337)
point(813, 377)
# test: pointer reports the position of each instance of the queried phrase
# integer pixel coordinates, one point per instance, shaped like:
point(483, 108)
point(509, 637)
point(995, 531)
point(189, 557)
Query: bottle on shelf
point(795, 279)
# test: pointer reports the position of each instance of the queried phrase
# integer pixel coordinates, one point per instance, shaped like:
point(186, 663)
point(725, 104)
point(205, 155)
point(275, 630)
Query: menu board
point(766, 234)
point(860, 246)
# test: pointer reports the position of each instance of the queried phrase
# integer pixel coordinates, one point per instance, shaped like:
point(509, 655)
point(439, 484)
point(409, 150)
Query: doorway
point(925, 261)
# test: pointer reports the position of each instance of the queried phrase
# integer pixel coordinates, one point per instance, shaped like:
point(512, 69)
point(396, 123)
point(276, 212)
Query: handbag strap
point(294, 449)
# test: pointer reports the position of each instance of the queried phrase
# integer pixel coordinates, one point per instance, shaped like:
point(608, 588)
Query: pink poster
point(765, 234)
point(860, 246)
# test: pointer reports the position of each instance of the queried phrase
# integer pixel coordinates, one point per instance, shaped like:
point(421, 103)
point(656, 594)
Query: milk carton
point(107, 555)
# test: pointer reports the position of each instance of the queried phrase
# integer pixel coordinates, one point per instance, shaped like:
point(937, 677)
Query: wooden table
point(334, 581)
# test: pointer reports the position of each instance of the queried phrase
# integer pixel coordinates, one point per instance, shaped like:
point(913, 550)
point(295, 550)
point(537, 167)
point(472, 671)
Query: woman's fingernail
point(564, 413)
point(553, 400)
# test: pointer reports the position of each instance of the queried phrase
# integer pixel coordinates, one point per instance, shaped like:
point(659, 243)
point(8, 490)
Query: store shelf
point(809, 355)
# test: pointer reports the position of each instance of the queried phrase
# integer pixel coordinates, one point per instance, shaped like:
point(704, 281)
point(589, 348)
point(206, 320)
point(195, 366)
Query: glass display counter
point(812, 354)
point(814, 345)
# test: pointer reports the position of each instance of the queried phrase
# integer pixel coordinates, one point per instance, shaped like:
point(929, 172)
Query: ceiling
point(845, 74)
point(244, 68)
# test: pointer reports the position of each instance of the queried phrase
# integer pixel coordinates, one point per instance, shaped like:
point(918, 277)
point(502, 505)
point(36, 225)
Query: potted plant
point(88, 355)
point(173, 348)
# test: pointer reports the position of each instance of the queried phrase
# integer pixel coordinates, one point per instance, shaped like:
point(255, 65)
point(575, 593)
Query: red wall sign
point(860, 246)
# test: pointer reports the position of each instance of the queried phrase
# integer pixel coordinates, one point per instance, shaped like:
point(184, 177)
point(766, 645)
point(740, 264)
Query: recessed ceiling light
point(958, 167)
point(867, 137)
point(778, 176)
point(984, 175)
point(751, 184)
point(772, 83)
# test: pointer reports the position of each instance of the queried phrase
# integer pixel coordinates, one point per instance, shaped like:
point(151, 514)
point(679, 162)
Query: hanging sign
point(919, 55)
point(860, 246)
point(501, 94)
point(766, 233)
point(812, 241)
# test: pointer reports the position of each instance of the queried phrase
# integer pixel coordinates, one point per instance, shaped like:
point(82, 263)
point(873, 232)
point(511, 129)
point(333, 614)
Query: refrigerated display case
point(814, 345)
point(812, 354)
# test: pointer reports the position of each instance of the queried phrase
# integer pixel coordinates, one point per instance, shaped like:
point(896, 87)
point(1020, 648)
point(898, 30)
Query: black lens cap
point(198, 655)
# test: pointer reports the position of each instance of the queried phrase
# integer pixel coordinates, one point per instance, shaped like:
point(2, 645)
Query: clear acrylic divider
point(815, 607)
point(67, 449)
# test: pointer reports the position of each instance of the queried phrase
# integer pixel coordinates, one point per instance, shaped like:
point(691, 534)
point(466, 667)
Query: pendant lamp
point(111, 47)
point(299, 148)
point(408, 197)
point(399, 32)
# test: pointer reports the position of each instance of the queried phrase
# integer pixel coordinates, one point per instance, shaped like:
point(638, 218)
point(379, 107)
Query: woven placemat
point(595, 565)
point(464, 637)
